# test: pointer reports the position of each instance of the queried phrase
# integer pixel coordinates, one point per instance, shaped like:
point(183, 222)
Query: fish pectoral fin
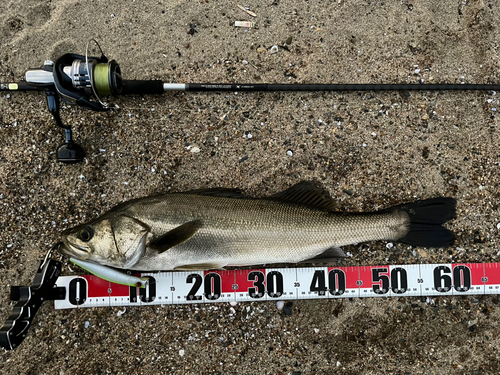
point(307, 194)
point(200, 267)
point(176, 236)
point(327, 256)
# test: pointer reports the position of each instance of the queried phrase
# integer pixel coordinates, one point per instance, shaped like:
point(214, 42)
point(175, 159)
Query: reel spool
point(95, 76)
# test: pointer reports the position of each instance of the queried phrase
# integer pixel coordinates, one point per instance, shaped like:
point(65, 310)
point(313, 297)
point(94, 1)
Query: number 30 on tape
point(285, 283)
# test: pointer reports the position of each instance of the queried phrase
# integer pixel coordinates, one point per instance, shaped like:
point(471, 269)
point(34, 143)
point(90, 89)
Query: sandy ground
point(370, 150)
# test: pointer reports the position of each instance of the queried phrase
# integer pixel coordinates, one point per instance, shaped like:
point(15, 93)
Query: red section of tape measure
point(96, 287)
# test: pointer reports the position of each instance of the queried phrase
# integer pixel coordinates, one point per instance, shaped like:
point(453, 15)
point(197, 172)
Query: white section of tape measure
point(285, 284)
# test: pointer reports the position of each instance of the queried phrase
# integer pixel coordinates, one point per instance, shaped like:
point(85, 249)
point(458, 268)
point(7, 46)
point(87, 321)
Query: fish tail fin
point(426, 219)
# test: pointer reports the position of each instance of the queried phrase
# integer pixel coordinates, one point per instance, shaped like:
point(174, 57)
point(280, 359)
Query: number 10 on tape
point(285, 284)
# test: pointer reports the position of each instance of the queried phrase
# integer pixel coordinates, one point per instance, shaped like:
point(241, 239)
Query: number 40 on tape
point(285, 284)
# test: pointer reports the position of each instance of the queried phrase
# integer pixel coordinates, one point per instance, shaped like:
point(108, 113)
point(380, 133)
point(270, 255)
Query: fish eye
point(86, 234)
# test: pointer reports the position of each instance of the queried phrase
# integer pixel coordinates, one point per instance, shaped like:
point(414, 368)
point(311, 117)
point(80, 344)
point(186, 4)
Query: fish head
point(117, 242)
point(92, 241)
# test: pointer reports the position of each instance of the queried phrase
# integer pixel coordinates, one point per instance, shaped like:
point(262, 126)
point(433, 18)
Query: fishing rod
point(85, 81)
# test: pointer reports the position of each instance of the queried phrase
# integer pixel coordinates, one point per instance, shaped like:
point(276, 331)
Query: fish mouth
point(72, 251)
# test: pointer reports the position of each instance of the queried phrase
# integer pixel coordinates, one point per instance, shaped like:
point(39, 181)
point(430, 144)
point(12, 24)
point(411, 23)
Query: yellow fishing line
point(101, 80)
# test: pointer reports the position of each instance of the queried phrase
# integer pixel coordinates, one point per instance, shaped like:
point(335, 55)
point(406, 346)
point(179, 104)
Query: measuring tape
point(168, 288)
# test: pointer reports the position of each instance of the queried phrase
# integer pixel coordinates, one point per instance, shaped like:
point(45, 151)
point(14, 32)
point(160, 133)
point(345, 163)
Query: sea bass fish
point(214, 228)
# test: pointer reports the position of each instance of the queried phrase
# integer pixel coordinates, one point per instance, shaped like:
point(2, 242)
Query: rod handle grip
point(136, 87)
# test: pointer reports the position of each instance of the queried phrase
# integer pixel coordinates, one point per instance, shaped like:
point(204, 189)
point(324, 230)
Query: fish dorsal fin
point(326, 256)
point(307, 194)
point(218, 192)
point(176, 236)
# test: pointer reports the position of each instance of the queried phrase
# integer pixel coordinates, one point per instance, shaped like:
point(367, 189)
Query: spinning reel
point(79, 80)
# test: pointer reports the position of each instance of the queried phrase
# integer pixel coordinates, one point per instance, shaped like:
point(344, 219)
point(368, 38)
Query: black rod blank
point(338, 87)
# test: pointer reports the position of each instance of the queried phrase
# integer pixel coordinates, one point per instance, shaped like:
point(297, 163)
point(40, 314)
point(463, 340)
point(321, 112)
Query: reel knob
point(70, 152)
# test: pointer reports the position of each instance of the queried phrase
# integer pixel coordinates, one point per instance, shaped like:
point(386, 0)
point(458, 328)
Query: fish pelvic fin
point(307, 194)
point(176, 236)
point(425, 222)
point(200, 267)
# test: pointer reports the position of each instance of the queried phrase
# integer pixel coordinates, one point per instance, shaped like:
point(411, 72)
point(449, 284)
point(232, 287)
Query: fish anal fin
point(308, 194)
point(200, 267)
point(176, 236)
point(326, 256)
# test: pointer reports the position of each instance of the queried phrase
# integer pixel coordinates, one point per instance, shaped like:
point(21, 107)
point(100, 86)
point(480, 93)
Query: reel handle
point(69, 151)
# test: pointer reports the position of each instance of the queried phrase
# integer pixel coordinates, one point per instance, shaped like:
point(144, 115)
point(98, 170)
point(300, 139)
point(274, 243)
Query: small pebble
point(280, 305)
point(181, 352)
point(87, 324)
point(289, 153)
point(121, 312)
point(288, 308)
